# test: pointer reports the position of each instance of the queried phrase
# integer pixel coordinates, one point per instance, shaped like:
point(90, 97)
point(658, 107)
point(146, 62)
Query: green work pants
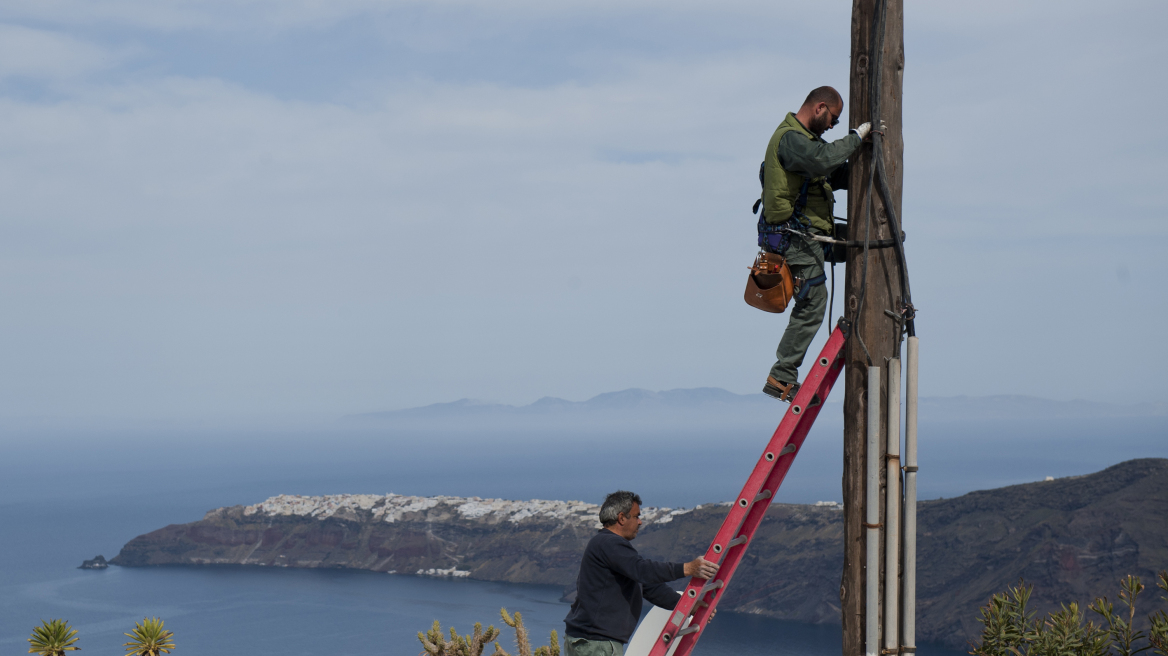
point(805, 257)
point(586, 647)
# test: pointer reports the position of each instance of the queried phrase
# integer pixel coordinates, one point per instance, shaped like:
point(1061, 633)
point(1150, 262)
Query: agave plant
point(149, 639)
point(53, 638)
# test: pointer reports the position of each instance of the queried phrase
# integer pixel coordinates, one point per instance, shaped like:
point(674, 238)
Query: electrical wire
point(831, 302)
point(877, 173)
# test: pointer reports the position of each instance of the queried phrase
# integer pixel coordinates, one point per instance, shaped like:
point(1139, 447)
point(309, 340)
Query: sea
point(65, 498)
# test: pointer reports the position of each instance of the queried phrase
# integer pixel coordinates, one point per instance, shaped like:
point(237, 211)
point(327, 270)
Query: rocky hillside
point(1072, 538)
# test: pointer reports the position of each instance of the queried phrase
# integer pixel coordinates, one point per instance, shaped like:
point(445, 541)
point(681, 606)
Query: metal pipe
point(908, 636)
point(892, 501)
point(872, 503)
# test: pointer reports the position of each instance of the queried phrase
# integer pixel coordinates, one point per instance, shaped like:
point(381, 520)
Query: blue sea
point(66, 499)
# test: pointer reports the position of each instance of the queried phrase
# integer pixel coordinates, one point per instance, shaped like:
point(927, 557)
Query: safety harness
point(777, 238)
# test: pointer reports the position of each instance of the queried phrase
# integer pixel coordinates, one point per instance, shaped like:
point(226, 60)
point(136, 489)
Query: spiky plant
point(434, 644)
point(521, 639)
point(149, 639)
point(53, 638)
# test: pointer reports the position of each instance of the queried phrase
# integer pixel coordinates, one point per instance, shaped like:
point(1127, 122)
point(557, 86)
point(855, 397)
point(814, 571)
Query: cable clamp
point(892, 456)
point(867, 525)
point(912, 469)
point(908, 311)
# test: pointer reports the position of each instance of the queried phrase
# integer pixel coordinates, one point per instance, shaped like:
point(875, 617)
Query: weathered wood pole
point(880, 290)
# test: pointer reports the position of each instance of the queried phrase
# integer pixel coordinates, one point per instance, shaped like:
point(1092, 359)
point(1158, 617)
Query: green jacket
point(780, 187)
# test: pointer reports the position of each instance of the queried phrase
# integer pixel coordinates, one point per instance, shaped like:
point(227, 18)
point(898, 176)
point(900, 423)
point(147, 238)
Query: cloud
point(42, 54)
point(397, 225)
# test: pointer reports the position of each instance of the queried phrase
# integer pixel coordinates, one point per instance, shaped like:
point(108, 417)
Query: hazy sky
point(268, 207)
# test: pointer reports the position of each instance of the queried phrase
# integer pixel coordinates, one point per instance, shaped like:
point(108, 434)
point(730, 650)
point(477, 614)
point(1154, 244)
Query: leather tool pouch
point(770, 285)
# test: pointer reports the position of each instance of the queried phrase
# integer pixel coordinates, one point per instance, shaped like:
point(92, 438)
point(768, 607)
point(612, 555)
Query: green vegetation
point(53, 638)
point(149, 639)
point(470, 645)
point(435, 643)
point(521, 641)
point(1009, 628)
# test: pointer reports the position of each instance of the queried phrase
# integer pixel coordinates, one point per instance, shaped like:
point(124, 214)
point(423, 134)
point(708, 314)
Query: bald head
point(821, 111)
point(826, 95)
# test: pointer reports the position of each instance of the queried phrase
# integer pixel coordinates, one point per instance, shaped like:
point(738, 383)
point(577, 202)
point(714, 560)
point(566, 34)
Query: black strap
point(805, 288)
point(797, 214)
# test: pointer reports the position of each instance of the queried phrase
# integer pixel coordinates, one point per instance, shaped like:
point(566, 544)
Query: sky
point(269, 208)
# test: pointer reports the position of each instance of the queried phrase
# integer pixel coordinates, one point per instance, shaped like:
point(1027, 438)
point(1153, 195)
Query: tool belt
point(770, 285)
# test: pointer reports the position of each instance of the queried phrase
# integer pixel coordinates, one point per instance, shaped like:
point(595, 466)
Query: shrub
point(1009, 627)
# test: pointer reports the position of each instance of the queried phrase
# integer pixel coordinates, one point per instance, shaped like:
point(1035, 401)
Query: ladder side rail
point(731, 527)
point(798, 424)
point(793, 423)
point(753, 519)
point(766, 477)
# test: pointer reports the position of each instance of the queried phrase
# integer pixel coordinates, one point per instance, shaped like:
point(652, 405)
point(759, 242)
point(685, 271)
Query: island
point(1072, 538)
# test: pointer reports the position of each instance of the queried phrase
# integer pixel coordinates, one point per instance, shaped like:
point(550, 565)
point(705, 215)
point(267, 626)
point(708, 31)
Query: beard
point(820, 124)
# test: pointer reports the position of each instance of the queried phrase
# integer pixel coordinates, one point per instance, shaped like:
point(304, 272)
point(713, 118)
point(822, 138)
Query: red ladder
point(701, 597)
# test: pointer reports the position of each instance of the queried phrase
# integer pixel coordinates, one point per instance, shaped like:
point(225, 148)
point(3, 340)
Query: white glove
point(864, 129)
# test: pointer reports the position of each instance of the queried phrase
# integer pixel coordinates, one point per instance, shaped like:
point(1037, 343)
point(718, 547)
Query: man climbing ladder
point(798, 175)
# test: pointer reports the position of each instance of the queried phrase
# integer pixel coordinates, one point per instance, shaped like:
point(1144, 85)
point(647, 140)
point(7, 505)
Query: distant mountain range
point(712, 405)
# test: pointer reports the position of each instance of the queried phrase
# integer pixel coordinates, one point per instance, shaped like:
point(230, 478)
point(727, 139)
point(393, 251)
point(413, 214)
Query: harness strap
point(776, 238)
point(805, 288)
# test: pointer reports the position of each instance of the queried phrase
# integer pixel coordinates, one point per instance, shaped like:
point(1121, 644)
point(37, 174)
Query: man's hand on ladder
point(701, 568)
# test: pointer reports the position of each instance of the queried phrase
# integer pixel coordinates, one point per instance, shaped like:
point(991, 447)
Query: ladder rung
point(713, 585)
point(744, 517)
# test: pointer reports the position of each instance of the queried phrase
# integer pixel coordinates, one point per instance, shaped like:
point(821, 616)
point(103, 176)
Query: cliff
point(1072, 538)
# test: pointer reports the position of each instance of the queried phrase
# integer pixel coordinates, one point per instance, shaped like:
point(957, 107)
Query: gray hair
point(617, 503)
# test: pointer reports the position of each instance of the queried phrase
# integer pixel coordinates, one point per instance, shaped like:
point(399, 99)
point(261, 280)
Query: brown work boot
point(780, 390)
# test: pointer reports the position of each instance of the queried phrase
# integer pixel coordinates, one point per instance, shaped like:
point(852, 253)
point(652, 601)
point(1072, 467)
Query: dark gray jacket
point(612, 581)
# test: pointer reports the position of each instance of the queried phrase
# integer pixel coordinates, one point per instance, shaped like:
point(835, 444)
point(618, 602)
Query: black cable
point(886, 197)
point(864, 273)
point(875, 63)
point(831, 303)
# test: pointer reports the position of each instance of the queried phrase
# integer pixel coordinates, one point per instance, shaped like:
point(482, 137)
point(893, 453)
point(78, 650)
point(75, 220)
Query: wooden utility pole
point(866, 300)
